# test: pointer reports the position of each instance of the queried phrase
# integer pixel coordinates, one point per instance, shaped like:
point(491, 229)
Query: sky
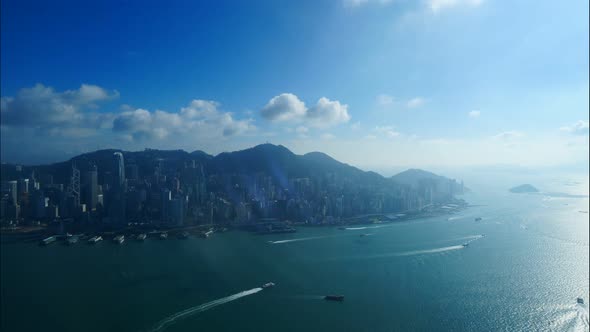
point(374, 83)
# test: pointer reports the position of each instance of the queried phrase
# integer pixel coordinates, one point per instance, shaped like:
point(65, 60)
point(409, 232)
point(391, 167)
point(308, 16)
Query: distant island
point(524, 188)
point(266, 189)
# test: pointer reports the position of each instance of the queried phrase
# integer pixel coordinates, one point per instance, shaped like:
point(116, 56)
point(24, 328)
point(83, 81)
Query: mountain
point(413, 176)
point(275, 160)
point(524, 188)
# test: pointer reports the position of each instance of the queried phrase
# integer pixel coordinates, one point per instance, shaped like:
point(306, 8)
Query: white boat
point(268, 285)
point(72, 240)
point(48, 240)
point(95, 239)
point(119, 239)
point(141, 237)
point(163, 236)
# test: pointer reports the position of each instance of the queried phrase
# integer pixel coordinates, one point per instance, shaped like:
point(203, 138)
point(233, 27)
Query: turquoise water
point(523, 275)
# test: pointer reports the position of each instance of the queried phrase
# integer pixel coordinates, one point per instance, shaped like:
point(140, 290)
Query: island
point(524, 188)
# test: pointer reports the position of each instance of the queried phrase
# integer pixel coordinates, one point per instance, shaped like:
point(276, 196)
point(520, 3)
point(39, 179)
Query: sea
point(524, 266)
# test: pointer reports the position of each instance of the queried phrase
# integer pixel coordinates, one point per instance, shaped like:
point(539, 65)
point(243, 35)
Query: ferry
point(95, 239)
point(141, 237)
point(163, 236)
point(268, 285)
point(338, 298)
point(119, 239)
point(48, 240)
point(72, 240)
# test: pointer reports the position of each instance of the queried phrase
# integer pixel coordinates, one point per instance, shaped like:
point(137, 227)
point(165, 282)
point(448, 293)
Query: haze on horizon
point(375, 84)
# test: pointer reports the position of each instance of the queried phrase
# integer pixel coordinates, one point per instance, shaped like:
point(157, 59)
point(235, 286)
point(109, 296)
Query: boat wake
point(299, 239)
point(427, 251)
point(359, 228)
point(166, 322)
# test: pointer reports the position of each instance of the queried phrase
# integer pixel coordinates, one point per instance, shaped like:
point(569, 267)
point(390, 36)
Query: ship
point(268, 285)
point(119, 239)
point(465, 244)
point(163, 236)
point(95, 239)
point(141, 237)
point(338, 298)
point(48, 240)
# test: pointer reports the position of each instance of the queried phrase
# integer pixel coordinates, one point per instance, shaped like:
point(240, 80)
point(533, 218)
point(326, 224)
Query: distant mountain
point(275, 160)
point(524, 188)
point(413, 176)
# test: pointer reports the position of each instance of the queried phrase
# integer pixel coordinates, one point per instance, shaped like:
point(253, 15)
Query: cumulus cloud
point(284, 107)
point(43, 107)
point(579, 128)
point(415, 102)
point(288, 107)
point(474, 114)
point(200, 116)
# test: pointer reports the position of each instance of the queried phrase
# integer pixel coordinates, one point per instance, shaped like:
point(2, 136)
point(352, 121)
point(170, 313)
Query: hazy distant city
point(111, 189)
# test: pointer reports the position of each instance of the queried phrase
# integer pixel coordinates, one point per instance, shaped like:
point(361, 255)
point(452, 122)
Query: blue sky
point(375, 83)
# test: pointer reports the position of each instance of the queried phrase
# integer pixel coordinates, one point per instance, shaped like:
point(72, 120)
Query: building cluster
point(163, 194)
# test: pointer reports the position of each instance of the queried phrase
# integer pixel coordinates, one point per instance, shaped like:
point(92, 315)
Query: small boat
point(206, 234)
point(95, 239)
point(141, 237)
point(580, 300)
point(363, 235)
point(465, 244)
point(478, 219)
point(268, 285)
point(338, 298)
point(342, 228)
point(163, 236)
point(48, 240)
point(72, 240)
point(183, 235)
point(119, 239)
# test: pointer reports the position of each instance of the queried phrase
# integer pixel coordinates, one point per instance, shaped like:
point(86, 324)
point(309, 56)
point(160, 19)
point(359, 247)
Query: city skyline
point(353, 79)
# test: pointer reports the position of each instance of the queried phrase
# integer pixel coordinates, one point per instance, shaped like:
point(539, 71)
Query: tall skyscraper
point(91, 184)
point(119, 169)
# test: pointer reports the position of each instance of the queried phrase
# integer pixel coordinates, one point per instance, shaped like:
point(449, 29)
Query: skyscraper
point(91, 188)
point(119, 169)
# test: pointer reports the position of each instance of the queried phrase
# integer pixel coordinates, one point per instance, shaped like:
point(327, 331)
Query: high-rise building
point(91, 184)
point(10, 187)
point(119, 169)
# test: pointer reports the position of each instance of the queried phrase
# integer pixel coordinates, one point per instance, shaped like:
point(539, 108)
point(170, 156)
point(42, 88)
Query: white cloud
point(387, 131)
point(288, 107)
point(384, 100)
point(579, 128)
point(327, 136)
point(327, 113)
point(438, 5)
point(284, 107)
point(508, 135)
point(474, 114)
point(415, 102)
point(43, 107)
point(200, 116)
